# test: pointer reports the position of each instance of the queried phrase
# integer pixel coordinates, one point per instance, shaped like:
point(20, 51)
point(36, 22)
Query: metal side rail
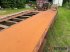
point(15, 20)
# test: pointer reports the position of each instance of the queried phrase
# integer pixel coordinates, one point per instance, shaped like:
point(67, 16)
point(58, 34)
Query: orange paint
point(26, 35)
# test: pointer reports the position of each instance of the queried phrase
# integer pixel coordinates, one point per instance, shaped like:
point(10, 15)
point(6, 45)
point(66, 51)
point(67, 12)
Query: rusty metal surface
point(27, 35)
point(8, 23)
point(4, 18)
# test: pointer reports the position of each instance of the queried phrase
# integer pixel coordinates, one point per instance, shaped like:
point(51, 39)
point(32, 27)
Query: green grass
point(59, 34)
point(11, 11)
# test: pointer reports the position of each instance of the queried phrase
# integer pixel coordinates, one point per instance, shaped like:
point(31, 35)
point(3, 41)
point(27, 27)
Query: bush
point(66, 4)
point(12, 3)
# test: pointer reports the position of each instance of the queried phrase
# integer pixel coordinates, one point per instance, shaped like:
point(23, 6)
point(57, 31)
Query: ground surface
point(59, 34)
point(11, 11)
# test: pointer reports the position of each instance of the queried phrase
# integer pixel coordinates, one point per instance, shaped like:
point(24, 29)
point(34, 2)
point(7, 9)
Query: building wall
point(58, 2)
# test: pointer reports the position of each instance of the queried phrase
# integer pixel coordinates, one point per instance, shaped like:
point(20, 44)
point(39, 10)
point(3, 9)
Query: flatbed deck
point(27, 36)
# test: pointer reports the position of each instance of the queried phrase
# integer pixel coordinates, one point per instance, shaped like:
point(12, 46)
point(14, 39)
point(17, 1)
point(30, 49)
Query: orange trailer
point(27, 36)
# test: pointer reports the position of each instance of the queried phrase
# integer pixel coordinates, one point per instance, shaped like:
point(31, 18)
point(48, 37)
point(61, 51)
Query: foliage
point(12, 3)
point(66, 3)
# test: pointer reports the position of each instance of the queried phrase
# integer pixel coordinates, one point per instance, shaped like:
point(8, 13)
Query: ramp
point(27, 36)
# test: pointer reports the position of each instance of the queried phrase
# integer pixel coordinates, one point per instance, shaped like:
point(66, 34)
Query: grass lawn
point(11, 11)
point(59, 34)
